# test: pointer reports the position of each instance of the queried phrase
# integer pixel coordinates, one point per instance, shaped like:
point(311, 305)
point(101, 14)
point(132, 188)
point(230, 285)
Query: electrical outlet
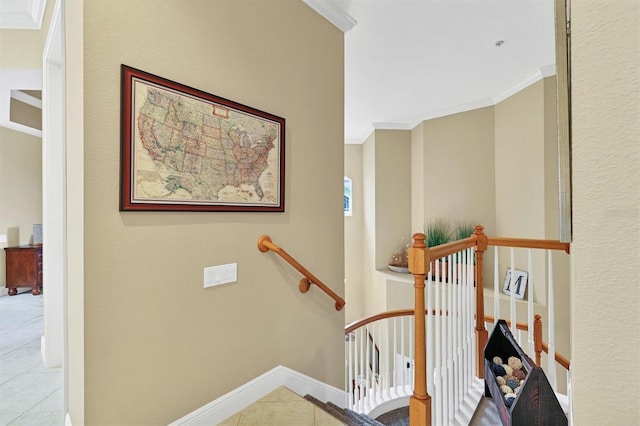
point(221, 274)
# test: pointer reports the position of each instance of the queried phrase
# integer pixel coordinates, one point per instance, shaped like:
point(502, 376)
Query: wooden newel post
point(481, 333)
point(537, 337)
point(420, 402)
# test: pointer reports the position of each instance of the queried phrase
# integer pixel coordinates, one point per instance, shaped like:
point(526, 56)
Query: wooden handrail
point(385, 315)
point(529, 243)
point(519, 325)
point(438, 252)
point(265, 244)
point(563, 361)
point(539, 344)
point(368, 320)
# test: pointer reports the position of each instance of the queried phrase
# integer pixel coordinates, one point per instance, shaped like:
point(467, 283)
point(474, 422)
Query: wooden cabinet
point(23, 268)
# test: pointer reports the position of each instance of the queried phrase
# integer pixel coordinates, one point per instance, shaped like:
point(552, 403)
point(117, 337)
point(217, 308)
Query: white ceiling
point(21, 14)
point(410, 60)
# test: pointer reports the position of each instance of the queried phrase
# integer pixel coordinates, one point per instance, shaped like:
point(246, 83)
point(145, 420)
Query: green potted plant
point(464, 229)
point(438, 231)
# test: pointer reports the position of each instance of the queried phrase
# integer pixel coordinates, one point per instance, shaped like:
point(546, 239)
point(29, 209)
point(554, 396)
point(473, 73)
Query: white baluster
point(512, 297)
point(361, 374)
point(395, 352)
point(496, 286)
point(387, 356)
point(403, 378)
point(436, 402)
point(350, 363)
point(412, 335)
point(430, 339)
point(551, 364)
point(530, 312)
point(450, 281)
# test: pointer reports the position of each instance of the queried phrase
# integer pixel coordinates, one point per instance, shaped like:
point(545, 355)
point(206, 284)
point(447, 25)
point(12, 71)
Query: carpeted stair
point(346, 416)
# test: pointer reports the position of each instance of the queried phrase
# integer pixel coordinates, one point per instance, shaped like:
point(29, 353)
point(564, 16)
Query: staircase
point(485, 415)
point(346, 416)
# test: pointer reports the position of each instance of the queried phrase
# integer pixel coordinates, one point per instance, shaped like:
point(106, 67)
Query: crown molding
point(537, 75)
point(453, 109)
point(21, 14)
point(332, 13)
point(392, 126)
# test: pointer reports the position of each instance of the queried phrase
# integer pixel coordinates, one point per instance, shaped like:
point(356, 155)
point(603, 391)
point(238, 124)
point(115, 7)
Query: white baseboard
point(234, 401)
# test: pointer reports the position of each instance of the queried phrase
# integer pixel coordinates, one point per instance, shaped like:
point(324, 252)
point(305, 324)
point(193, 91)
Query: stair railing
point(380, 359)
point(265, 244)
point(530, 247)
point(452, 356)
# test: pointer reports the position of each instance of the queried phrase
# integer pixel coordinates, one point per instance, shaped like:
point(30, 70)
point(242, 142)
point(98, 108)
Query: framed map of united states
point(186, 150)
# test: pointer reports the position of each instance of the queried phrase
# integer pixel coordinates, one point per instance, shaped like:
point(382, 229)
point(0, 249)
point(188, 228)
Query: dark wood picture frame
point(183, 149)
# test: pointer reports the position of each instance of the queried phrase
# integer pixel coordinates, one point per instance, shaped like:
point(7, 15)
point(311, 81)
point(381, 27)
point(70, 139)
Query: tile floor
point(282, 407)
point(30, 394)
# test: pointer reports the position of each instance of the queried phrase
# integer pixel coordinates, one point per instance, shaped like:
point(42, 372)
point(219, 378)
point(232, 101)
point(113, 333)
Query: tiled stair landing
point(284, 407)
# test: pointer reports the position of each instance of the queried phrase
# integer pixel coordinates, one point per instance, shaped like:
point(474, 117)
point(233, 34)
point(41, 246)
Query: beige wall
point(606, 204)
point(158, 345)
point(386, 169)
point(393, 193)
point(353, 236)
point(373, 288)
point(458, 164)
point(23, 48)
point(527, 203)
point(20, 187)
point(519, 159)
point(522, 187)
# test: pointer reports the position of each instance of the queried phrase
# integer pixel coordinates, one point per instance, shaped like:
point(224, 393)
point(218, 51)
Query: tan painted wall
point(393, 192)
point(459, 168)
point(386, 168)
point(20, 188)
point(527, 203)
point(23, 48)
point(520, 178)
point(373, 287)
point(606, 204)
point(519, 159)
point(158, 345)
point(353, 236)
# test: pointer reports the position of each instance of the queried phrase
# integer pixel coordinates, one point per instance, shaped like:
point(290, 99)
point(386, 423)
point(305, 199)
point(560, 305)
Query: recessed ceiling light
point(499, 43)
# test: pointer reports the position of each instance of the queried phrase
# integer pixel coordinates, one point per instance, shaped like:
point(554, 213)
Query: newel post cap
point(419, 255)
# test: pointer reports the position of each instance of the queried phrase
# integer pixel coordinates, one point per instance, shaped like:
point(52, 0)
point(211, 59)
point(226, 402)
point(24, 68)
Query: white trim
point(453, 109)
point(392, 126)
point(332, 13)
point(234, 401)
point(17, 79)
point(539, 74)
point(23, 97)
point(67, 419)
point(22, 14)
